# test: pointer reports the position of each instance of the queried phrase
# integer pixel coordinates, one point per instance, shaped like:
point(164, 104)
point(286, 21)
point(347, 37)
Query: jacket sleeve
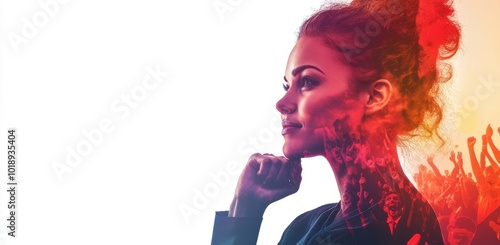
point(235, 230)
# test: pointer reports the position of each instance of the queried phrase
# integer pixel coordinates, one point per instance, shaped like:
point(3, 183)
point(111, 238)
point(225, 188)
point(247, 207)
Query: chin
point(294, 152)
point(291, 154)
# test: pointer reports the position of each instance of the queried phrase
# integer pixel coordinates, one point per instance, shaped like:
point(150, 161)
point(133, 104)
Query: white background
point(225, 75)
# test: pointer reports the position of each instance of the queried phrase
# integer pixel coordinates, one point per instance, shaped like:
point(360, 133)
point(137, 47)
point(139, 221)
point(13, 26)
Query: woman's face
point(318, 93)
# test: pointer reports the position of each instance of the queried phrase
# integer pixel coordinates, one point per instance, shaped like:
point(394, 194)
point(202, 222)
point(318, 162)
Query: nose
point(285, 105)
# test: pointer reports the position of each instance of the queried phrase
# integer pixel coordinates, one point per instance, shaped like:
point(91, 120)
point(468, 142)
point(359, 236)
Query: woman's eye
point(286, 86)
point(304, 83)
point(307, 83)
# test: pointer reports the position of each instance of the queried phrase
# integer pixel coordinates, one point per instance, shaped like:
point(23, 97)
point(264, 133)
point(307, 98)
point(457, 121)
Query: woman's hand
point(265, 179)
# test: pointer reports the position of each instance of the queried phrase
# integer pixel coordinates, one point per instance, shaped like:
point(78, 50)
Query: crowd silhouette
point(467, 203)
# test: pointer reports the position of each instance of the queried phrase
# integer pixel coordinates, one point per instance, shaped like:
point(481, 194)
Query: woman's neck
point(365, 169)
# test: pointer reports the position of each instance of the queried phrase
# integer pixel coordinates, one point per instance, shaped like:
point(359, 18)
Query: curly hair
point(405, 41)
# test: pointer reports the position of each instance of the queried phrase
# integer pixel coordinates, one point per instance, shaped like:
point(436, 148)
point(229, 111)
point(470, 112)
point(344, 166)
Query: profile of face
point(319, 92)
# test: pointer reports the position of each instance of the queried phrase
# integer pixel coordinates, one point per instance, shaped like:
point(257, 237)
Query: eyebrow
point(301, 68)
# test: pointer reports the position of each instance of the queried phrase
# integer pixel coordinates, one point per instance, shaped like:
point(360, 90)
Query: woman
point(359, 77)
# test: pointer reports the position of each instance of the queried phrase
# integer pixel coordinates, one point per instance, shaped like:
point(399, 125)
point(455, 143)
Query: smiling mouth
point(289, 127)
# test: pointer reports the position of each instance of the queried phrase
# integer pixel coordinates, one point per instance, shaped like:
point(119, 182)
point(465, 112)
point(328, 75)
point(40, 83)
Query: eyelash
point(304, 82)
point(286, 86)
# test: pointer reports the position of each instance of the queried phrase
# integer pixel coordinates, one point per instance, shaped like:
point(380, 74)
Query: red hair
point(405, 40)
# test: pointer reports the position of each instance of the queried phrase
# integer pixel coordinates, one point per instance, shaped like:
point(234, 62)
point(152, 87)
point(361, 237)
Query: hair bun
point(438, 35)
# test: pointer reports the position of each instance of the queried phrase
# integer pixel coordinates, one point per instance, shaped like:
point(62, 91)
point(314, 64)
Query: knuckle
point(255, 155)
point(267, 161)
point(271, 160)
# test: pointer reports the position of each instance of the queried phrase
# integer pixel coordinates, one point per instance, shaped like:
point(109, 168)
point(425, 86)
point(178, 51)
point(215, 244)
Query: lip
point(289, 126)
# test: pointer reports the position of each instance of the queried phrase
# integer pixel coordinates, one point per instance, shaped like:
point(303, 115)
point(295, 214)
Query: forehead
point(313, 51)
point(392, 195)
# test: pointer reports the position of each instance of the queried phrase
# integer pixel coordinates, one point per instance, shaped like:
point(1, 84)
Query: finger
point(254, 161)
point(284, 176)
point(265, 167)
point(270, 177)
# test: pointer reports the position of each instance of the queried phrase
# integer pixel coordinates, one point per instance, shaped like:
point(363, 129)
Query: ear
point(379, 94)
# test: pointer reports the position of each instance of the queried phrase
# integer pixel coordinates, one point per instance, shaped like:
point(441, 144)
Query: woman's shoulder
point(316, 214)
point(309, 223)
point(330, 207)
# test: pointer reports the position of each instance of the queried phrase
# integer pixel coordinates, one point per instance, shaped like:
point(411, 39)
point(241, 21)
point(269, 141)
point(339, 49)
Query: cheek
point(312, 113)
point(322, 111)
